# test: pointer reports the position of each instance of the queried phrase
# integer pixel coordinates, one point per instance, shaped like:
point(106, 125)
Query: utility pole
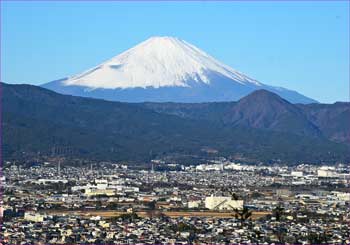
point(59, 168)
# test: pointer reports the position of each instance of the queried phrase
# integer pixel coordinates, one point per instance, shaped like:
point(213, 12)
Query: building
point(222, 203)
point(283, 192)
point(50, 181)
point(99, 192)
point(342, 196)
point(326, 171)
point(297, 173)
point(193, 204)
point(34, 217)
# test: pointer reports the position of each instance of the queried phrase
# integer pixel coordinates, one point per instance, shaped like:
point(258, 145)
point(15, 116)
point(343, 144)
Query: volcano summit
point(165, 69)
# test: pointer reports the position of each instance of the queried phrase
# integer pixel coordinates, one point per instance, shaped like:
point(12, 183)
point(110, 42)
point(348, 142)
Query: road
point(172, 214)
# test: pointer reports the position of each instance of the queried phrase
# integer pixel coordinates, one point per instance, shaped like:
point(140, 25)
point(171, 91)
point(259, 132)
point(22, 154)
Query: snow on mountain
point(156, 62)
point(165, 69)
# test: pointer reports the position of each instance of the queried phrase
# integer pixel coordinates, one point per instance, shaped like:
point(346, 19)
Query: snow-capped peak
point(157, 62)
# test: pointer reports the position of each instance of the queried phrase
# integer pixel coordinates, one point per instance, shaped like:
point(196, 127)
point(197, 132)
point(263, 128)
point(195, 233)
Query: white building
point(2, 180)
point(34, 217)
point(222, 203)
point(193, 204)
point(234, 166)
point(210, 167)
point(103, 187)
point(98, 192)
point(301, 182)
point(297, 173)
point(326, 171)
point(342, 196)
point(50, 181)
point(101, 184)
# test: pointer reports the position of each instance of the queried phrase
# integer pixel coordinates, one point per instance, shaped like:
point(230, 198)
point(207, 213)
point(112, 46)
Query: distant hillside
point(38, 122)
point(265, 110)
point(332, 120)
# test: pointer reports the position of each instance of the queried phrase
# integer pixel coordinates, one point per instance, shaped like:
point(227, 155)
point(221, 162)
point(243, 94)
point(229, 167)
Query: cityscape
point(174, 122)
point(217, 202)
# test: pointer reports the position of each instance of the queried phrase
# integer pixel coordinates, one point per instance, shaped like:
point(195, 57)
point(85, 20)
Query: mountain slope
point(163, 69)
point(41, 123)
point(333, 120)
point(41, 120)
point(264, 110)
point(157, 62)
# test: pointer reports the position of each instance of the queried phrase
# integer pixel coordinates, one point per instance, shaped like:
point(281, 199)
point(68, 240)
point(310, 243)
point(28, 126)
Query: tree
point(232, 193)
point(280, 233)
point(278, 212)
point(129, 217)
point(243, 214)
point(152, 205)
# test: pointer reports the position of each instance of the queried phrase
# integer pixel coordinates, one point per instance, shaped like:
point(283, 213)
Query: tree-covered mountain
point(332, 120)
point(265, 110)
point(38, 122)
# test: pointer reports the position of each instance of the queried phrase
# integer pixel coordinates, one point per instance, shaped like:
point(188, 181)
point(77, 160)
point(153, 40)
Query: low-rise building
point(34, 217)
point(222, 203)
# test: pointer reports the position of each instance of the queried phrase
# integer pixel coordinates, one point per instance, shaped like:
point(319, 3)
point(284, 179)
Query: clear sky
point(302, 46)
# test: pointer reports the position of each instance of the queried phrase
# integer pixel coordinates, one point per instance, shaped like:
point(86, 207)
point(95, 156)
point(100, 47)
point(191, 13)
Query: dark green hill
point(38, 122)
point(267, 111)
point(333, 120)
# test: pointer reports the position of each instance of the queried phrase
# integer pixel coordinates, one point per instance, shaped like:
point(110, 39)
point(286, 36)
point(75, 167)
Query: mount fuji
point(165, 69)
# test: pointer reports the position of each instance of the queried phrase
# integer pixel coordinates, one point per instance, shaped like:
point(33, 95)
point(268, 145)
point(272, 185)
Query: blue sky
point(298, 45)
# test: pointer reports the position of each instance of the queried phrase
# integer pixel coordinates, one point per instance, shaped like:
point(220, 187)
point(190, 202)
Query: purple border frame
point(1, 91)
